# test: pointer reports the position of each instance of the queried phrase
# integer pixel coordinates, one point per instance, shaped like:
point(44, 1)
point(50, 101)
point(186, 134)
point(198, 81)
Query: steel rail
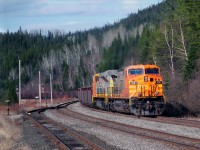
point(186, 142)
point(169, 120)
point(43, 122)
point(51, 135)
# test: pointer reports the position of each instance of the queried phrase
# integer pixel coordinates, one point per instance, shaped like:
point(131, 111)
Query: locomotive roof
point(115, 72)
point(109, 73)
point(141, 66)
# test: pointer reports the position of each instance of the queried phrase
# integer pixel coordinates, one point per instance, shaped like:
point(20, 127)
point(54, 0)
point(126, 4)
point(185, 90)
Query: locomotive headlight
point(145, 78)
point(158, 82)
point(156, 93)
point(133, 82)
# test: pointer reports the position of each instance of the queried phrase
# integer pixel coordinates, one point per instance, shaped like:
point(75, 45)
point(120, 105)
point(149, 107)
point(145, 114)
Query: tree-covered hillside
point(166, 34)
point(173, 43)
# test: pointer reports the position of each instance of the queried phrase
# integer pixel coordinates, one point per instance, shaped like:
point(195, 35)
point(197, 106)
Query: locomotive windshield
point(151, 71)
point(135, 71)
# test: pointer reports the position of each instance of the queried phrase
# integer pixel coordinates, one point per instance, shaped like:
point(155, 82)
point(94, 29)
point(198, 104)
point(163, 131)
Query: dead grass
point(9, 133)
point(31, 104)
point(13, 109)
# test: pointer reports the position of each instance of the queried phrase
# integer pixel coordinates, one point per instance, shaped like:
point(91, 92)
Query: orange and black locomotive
point(136, 89)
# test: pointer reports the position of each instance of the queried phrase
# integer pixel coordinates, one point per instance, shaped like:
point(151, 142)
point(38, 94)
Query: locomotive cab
point(145, 90)
point(144, 81)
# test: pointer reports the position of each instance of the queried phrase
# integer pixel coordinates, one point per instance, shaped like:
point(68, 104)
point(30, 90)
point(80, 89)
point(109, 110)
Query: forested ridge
point(166, 34)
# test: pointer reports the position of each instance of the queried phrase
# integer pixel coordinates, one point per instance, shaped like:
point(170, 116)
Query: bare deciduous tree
point(180, 45)
point(176, 43)
point(12, 73)
point(170, 47)
point(155, 60)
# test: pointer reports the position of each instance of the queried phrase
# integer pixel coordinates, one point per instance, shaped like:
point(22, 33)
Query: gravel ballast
point(113, 138)
point(32, 137)
point(164, 127)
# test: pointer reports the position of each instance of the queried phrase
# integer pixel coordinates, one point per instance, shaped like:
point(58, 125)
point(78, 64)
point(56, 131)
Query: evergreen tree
point(11, 92)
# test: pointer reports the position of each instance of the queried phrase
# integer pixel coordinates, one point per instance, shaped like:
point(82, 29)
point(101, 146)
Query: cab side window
point(135, 71)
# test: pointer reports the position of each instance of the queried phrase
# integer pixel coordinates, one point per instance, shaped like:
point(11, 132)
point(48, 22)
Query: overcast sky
point(65, 15)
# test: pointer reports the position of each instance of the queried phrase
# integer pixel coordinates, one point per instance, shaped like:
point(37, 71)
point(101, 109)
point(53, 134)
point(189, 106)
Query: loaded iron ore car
point(135, 89)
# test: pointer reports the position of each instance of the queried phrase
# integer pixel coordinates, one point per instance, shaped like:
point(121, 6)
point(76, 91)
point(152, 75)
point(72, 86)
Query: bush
point(174, 109)
point(183, 97)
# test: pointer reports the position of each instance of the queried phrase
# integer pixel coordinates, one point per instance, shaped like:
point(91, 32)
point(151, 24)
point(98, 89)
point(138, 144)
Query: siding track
point(63, 137)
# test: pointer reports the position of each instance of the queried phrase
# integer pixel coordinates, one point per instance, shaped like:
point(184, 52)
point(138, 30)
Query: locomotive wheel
point(107, 107)
point(94, 105)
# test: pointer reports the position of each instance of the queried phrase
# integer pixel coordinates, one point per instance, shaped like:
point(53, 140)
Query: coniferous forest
point(166, 34)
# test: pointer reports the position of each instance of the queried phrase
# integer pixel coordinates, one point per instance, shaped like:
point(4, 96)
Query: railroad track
point(178, 121)
point(63, 137)
point(169, 120)
point(179, 141)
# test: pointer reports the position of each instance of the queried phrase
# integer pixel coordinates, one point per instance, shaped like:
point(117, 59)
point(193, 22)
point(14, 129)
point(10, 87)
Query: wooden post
point(19, 92)
point(51, 88)
point(40, 87)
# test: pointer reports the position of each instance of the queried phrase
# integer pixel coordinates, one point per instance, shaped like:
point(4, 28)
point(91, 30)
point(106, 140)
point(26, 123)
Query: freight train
point(136, 89)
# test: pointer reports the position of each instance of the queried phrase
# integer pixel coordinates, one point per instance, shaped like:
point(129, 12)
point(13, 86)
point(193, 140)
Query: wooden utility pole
point(51, 89)
point(19, 92)
point(39, 87)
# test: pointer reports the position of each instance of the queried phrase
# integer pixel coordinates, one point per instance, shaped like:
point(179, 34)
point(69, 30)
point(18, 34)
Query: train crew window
point(96, 78)
point(135, 71)
point(152, 71)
